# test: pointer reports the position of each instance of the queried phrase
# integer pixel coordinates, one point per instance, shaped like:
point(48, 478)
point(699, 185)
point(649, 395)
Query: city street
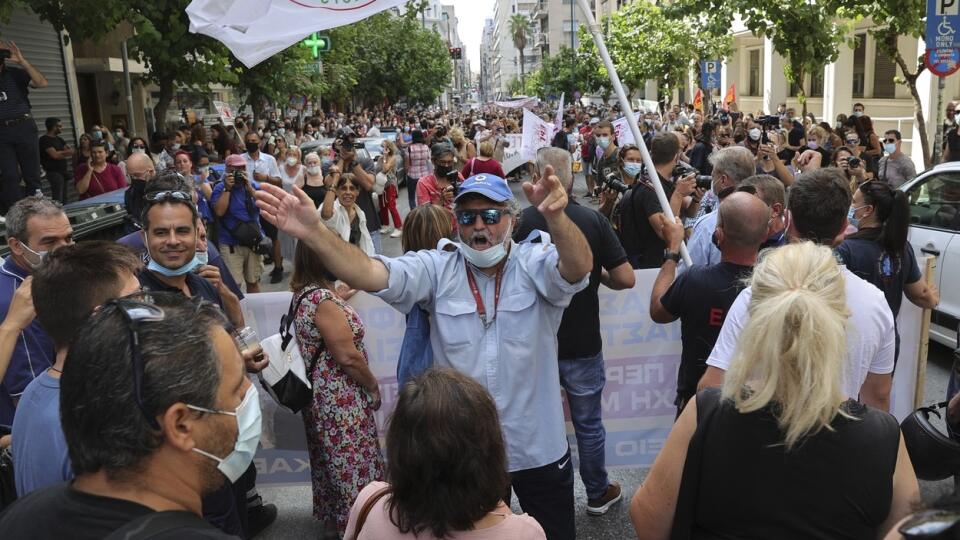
point(296, 503)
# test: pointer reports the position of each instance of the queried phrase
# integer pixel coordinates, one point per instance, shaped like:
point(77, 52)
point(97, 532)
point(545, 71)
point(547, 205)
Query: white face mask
point(490, 256)
point(291, 161)
point(313, 170)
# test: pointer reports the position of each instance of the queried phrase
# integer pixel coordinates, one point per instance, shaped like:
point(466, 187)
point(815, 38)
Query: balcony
point(539, 10)
point(541, 41)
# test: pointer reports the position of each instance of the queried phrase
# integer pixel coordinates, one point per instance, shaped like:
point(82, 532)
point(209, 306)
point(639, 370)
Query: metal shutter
point(40, 44)
point(884, 70)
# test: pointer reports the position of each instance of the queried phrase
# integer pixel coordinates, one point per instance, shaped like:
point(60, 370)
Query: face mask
point(97, 134)
point(813, 145)
point(850, 216)
point(858, 113)
point(632, 169)
point(204, 170)
point(139, 150)
point(441, 171)
point(172, 272)
point(889, 147)
point(490, 256)
point(313, 170)
point(175, 146)
point(603, 142)
point(291, 161)
point(248, 436)
point(40, 255)
point(326, 161)
point(202, 258)
point(281, 131)
point(252, 147)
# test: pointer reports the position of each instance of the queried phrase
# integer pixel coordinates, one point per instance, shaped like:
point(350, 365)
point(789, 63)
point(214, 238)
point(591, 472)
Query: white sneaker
point(397, 233)
point(385, 229)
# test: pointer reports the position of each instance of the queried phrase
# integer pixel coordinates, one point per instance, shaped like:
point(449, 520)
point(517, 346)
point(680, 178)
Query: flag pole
point(631, 121)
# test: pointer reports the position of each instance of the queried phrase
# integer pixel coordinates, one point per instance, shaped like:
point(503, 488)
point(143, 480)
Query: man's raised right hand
point(292, 213)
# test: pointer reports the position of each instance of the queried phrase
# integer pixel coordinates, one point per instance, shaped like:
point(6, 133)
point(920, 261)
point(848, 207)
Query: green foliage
point(277, 78)
point(515, 86)
point(645, 44)
point(520, 30)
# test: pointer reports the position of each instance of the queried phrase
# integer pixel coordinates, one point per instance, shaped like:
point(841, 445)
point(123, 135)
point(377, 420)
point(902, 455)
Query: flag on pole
point(698, 100)
point(536, 134)
point(255, 30)
point(559, 120)
point(731, 96)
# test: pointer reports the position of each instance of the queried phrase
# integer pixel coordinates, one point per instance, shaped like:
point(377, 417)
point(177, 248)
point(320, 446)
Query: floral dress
point(341, 429)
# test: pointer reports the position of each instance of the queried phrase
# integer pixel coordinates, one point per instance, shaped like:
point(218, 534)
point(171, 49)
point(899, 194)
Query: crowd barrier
point(641, 359)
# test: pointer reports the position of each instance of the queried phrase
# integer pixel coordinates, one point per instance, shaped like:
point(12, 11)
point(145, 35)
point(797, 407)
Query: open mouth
point(480, 243)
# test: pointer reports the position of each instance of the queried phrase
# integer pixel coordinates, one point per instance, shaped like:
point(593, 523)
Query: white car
point(935, 230)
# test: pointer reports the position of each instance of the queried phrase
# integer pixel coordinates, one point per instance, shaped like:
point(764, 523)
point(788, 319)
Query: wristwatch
point(671, 256)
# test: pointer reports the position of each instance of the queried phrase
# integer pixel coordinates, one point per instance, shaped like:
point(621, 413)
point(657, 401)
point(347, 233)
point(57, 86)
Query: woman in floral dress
point(341, 430)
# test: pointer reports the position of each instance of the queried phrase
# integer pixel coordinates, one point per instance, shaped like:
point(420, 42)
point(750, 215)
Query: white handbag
point(286, 377)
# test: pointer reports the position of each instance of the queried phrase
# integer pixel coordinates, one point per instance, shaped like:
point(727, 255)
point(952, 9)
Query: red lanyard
point(481, 310)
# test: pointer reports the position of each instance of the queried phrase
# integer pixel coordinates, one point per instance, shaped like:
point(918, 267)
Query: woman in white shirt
point(340, 213)
point(291, 174)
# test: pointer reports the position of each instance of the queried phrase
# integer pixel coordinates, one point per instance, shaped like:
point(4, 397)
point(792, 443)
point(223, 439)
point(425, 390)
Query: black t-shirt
point(794, 137)
point(866, 258)
point(701, 297)
point(59, 511)
point(604, 165)
point(13, 93)
point(197, 285)
point(560, 140)
point(50, 164)
point(579, 334)
point(644, 248)
point(699, 157)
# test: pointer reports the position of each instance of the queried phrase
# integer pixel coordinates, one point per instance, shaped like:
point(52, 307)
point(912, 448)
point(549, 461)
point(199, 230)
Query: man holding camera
point(19, 153)
point(641, 227)
point(240, 235)
point(345, 145)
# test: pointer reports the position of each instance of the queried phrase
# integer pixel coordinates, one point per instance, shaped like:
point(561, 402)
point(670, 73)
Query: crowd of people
point(798, 240)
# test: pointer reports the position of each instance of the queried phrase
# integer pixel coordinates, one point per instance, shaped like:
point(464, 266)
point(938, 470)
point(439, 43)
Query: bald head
point(140, 167)
point(744, 219)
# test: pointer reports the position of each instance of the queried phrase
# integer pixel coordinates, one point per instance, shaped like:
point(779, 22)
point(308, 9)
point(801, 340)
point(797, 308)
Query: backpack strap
point(287, 319)
point(156, 523)
point(365, 511)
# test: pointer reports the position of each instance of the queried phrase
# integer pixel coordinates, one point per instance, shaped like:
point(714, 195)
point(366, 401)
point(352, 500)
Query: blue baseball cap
point(490, 186)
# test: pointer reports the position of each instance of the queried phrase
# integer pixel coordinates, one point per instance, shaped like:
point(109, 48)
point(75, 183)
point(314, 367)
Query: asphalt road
point(295, 502)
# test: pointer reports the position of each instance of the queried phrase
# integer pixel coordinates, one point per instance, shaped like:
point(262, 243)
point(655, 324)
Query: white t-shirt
point(870, 334)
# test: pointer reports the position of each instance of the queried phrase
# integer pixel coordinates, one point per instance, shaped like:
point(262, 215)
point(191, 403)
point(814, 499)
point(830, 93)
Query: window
point(936, 202)
point(859, 65)
point(884, 70)
point(753, 85)
point(816, 84)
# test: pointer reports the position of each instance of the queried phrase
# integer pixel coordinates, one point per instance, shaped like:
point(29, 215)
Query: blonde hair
point(486, 148)
point(793, 349)
point(456, 134)
point(392, 146)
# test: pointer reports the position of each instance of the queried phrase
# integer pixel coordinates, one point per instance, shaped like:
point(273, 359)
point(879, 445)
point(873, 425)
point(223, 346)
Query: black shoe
point(268, 260)
point(260, 517)
point(276, 276)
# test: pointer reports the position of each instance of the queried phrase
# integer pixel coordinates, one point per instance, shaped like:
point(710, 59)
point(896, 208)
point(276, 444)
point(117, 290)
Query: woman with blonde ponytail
point(781, 452)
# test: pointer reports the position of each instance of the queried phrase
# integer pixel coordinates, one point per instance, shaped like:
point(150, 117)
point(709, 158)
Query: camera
point(5, 53)
point(454, 178)
point(612, 181)
point(853, 162)
point(683, 169)
point(239, 177)
point(769, 121)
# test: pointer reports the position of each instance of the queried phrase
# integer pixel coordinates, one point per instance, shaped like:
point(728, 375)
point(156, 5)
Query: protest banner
point(537, 134)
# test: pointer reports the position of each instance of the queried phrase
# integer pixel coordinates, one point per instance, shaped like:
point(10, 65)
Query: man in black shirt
point(561, 139)
point(701, 296)
point(580, 349)
point(640, 210)
point(54, 153)
point(19, 154)
point(604, 160)
point(145, 448)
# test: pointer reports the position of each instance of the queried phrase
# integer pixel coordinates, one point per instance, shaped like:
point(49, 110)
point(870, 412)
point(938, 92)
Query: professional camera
point(454, 178)
point(769, 121)
point(683, 169)
point(853, 162)
point(239, 177)
point(612, 181)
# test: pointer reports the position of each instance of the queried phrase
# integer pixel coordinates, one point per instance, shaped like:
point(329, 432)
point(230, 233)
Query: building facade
point(505, 58)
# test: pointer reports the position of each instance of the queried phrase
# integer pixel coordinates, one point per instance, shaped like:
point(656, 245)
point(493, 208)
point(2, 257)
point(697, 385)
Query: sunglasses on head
point(159, 196)
point(138, 309)
point(490, 216)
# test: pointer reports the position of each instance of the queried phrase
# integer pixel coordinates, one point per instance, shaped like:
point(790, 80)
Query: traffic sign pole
point(938, 139)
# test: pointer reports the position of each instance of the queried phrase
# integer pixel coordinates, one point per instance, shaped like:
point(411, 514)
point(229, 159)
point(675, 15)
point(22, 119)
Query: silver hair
point(26, 208)
point(562, 163)
point(734, 161)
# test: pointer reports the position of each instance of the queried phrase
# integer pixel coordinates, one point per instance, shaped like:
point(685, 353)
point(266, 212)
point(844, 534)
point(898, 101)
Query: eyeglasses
point(929, 524)
point(137, 309)
point(490, 216)
point(138, 146)
point(160, 196)
point(891, 141)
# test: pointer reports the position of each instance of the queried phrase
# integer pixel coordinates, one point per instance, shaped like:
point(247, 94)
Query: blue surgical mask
point(632, 169)
point(248, 436)
point(813, 145)
point(202, 258)
point(172, 272)
point(603, 142)
point(889, 147)
point(40, 255)
point(97, 134)
point(854, 222)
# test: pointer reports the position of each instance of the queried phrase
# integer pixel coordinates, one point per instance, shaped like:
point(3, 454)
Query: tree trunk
point(522, 74)
point(163, 103)
point(911, 80)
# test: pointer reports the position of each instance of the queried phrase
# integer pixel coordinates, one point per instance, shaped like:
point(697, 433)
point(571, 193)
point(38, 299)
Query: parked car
point(935, 231)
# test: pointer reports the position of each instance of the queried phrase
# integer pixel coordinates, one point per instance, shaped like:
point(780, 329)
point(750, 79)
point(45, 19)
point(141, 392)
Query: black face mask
point(252, 147)
point(441, 171)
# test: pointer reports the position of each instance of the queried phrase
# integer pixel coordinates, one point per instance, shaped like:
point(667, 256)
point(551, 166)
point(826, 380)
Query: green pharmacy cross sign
point(318, 42)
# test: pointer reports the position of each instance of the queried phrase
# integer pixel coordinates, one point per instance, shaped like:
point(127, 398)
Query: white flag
point(559, 120)
point(255, 30)
point(621, 130)
point(536, 135)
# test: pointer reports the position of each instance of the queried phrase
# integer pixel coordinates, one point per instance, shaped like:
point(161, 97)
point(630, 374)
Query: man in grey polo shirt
point(495, 310)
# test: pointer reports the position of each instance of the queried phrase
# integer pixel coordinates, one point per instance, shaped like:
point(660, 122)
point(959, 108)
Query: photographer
point(347, 161)
point(630, 163)
point(440, 188)
point(852, 166)
point(641, 227)
point(768, 157)
point(240, 232)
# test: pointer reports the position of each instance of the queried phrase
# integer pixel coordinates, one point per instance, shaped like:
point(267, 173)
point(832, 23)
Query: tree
point(520, 30)
point(807, 34)
point(161, 40)
point(645, 45)
point(894, 19)
point(515, 86)
point(276, 79)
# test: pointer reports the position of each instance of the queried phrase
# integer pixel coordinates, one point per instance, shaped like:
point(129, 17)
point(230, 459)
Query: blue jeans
point(583, 379)
point(375, 237)
point(412, 191)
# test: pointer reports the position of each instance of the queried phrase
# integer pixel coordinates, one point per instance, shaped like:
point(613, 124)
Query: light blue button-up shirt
point(515, 358)
point(701, 248)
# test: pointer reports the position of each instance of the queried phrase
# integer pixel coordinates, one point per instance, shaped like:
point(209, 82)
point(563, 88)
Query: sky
point(471, 14)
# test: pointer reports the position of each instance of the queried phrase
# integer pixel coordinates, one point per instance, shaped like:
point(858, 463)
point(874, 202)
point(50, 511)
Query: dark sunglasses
point(490, 216)
point(140, 146)
point(160, 196)
point(136, 310)
point(892, 141)
point(930, 524)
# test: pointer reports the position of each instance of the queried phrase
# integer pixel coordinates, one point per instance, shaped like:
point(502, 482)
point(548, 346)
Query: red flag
point(698, 100)
point(731, 96)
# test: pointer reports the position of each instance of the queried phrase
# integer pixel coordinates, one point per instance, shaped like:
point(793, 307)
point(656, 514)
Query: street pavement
point(295, 503)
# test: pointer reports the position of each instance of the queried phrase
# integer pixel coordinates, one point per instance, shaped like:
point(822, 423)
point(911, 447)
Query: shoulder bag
point(246, 233)
point(365, 511)
point(287, 377)
point(685, 515)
